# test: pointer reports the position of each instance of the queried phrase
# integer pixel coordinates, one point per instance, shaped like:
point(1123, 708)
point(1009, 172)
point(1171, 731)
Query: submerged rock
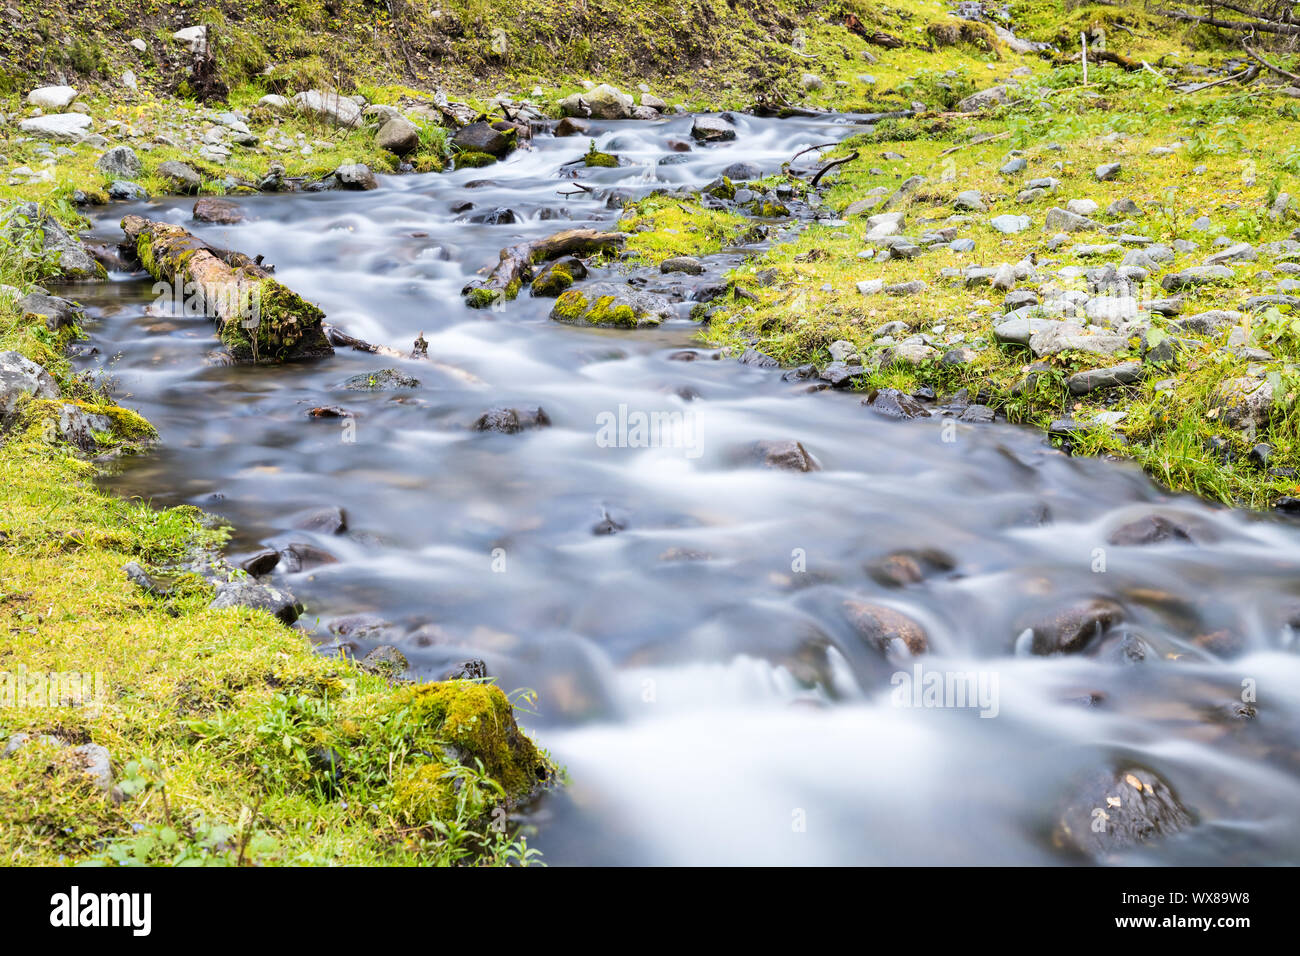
point(221, 211)
point(1070, 629)
point(787, 455)
point(1116, 810)
point(383, 380)
point(883, 627)
point(511, 421)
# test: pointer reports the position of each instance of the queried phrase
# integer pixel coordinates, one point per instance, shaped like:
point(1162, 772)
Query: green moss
point(594, 157)
point(553, 281)
point(481, 298)
point(472, 160)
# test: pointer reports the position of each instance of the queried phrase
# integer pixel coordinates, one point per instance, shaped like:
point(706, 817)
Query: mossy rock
point(599, 159)
point(473, 722)
point(609, 305)
point(474, 160)
point(558, 276)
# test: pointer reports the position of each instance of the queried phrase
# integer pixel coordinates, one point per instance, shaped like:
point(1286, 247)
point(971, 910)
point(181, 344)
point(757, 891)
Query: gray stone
point(20, 376)
point(98, 767)
point(712, 129)
point(1068, 336)
point(399, 136)
point(71, 260)
point(1062, 220)
point(1245, 402)
point(338, 109)
point(55, 312)
point(1081, 383)
point(260, 597)
point(120, 162)
point(60, 127)
point(1008, 223)
point(52, 99)
point(483, 138)
point(600, 102)
point(1196, 276)
point(355, 176)
point(1107, 171)
point(992, 96)
point(181, 177)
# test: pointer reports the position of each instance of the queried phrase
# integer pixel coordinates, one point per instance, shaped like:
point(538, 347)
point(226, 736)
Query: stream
point(695, 671)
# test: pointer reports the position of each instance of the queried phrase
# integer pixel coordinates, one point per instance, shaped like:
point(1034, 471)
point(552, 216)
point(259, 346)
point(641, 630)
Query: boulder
point(993, 96)
point(221, 211)
point(712, 129)
point(333, 106)
point(52, 99)
point(69, 257)
point(611, 305)
point(601, 102)
point(183, 178)
point(19, 377)
point(511, 421)
point(260, 597)
point(60, 127)
point(483, 137)
point(399, 136)
point(883, 628)
point(120, 162)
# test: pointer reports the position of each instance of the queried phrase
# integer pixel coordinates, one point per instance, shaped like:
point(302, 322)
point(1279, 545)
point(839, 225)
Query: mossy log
point(258, 319)
point(517, 261)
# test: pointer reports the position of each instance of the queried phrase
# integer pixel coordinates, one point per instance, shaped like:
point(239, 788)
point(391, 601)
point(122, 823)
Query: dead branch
point(1275, 69)
point(1240, 26)
point(831, 165)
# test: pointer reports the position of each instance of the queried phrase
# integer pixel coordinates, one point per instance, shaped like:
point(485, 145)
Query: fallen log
point(517, 261)
point(1240, 26)
point(258, 319)
point(1294, 78)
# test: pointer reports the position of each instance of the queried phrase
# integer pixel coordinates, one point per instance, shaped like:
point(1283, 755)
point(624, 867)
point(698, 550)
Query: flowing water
point(695, 671)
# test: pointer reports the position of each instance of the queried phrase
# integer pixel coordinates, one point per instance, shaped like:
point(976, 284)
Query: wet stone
point(511, 421)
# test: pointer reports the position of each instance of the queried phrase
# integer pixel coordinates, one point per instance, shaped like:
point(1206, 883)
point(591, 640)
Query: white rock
point(128, 80)
point(139, 44)
point(341, 110)
point(196, 38)
point(52, 97)
point(61, 127)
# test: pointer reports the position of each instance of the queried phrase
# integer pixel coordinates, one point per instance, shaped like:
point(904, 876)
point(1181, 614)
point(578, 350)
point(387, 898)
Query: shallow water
point(695, 672)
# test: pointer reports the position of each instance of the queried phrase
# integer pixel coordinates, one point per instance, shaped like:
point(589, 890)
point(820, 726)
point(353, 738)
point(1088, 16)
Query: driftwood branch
point(831, 165)
point(810, 149)
point(1240, 26)
point(517, 261)
point(1245, 76)
point(1294, 78)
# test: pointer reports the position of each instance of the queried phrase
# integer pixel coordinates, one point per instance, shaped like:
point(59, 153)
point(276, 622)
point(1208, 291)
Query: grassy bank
point(1200, 172)
point(227, 739)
